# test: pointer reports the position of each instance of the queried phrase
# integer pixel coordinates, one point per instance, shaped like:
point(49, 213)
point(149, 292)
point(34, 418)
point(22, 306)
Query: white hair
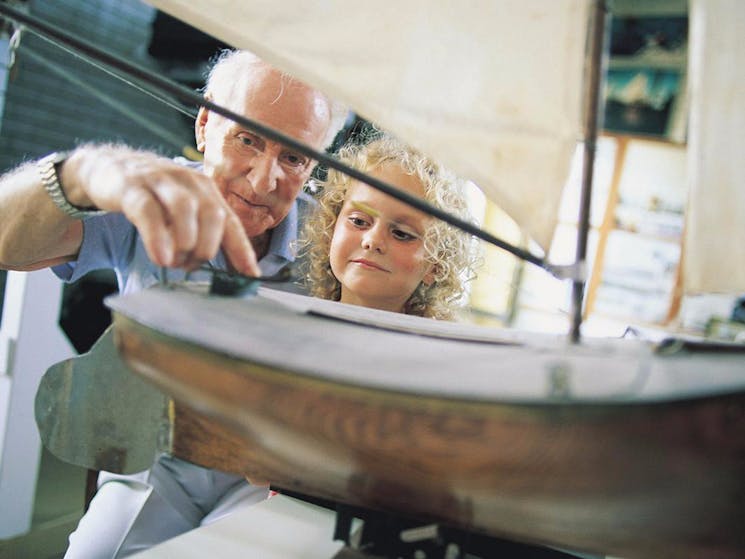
point(230, 67)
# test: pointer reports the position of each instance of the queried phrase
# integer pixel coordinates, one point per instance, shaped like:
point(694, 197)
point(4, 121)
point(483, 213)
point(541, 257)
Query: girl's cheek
point(412, 262)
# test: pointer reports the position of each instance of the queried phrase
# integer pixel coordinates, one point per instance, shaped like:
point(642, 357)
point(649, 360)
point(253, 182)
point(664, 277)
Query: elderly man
point(132, 211)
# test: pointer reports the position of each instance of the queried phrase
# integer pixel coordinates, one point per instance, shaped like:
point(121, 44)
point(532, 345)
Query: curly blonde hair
point(452, 252)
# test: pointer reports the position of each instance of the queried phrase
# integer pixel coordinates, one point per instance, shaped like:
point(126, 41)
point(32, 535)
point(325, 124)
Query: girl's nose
point(374, 239)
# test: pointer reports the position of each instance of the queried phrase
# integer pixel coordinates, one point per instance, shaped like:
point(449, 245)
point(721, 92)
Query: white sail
point(715, 227)
point(492, 88)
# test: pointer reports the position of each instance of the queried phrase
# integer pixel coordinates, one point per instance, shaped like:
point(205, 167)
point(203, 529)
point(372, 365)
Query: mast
point(593, 72)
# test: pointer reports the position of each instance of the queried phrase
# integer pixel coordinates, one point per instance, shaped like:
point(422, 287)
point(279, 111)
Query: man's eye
point(294, 159)
point(249, 140)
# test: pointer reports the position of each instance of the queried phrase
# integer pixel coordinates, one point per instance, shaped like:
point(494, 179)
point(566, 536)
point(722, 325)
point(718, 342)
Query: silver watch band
point(50, 179)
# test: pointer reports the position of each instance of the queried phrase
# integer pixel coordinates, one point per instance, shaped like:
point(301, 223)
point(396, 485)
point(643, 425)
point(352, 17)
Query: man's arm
point(34, 233)
point(179, 213)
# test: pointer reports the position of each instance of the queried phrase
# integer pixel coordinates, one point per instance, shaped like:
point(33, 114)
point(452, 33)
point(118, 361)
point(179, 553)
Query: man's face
point(260, 179)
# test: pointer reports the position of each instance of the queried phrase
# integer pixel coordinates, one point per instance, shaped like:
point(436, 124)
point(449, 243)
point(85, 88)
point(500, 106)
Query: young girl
point(366, 248)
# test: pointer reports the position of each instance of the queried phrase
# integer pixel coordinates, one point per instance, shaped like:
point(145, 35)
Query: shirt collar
point(282, 236)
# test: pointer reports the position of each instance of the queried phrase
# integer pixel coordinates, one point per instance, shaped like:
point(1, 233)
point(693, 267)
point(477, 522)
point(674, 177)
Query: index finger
point(238, 248)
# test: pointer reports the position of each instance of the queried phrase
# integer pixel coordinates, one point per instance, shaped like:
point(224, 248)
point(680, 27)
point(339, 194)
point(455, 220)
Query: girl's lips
point(368, 264)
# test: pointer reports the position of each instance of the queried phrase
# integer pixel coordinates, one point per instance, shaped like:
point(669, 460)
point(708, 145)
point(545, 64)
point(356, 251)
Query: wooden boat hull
point(637, 478)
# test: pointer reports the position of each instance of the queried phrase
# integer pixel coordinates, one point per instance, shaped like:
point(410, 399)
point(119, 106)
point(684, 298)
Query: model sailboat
point(613, 446)
point(617, 446)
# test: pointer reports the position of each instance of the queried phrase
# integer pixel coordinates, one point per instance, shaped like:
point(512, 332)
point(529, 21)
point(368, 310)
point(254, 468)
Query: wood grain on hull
point(636, 480)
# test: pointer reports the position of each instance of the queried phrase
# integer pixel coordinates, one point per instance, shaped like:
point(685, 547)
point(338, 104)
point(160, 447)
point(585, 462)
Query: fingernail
point(253, 270)
point(165, 249)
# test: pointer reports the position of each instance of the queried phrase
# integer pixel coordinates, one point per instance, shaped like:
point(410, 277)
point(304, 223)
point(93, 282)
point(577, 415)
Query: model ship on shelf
point(620, 446)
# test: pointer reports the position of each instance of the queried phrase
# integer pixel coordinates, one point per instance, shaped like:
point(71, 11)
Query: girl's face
point(377, 251)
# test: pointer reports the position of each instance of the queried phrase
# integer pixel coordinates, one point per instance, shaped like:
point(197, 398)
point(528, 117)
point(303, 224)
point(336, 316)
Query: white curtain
point(714, 261)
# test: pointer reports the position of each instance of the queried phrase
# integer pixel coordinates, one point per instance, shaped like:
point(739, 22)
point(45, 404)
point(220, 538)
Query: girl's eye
point(402, 235)
point(357, 221)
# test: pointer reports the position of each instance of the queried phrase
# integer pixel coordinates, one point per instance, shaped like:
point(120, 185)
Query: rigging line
point(187, 96)
point(111, 102)
point(90, 60)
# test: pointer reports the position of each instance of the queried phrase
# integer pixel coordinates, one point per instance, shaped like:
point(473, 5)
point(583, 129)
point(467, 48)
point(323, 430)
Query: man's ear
point(199, 128)
point(200, 123)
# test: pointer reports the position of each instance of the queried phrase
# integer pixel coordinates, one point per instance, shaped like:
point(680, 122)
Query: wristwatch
point(48, 167)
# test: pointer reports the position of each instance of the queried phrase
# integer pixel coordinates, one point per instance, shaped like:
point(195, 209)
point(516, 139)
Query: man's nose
point(264, 172)
point(374, 238)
